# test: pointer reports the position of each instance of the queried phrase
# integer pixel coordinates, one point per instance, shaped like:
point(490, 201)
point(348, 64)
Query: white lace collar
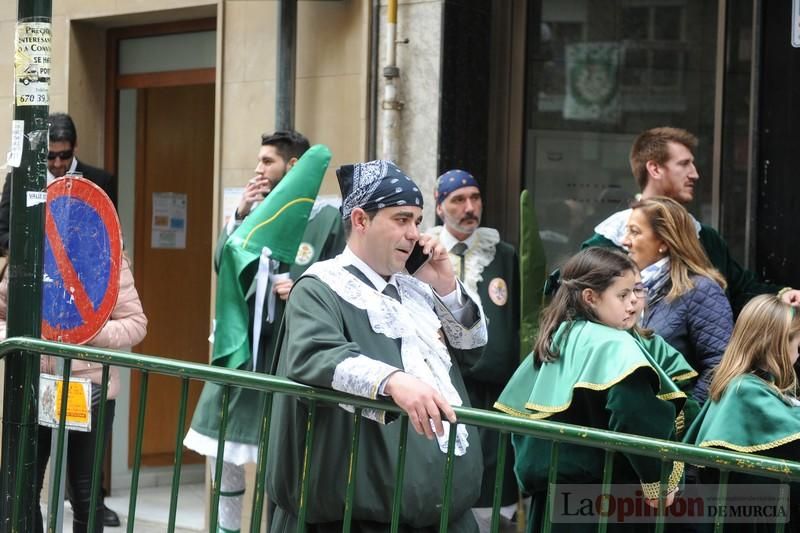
point(480, 253)
point(615, 227)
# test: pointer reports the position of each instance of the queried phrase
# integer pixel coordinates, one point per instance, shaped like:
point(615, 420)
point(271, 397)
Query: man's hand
point(791, 297)
point(256, 190)
point(421, 401)
point(438, 272)
point(282, 288)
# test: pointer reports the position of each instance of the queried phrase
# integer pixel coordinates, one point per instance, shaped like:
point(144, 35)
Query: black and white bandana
point(375, 185)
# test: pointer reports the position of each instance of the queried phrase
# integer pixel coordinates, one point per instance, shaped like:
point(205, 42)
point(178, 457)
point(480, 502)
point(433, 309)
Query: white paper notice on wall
point(17, 137)
point(169, 220)
point(796, 23)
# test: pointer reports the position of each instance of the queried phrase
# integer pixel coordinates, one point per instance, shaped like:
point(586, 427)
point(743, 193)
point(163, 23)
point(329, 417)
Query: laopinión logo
point(694, 503)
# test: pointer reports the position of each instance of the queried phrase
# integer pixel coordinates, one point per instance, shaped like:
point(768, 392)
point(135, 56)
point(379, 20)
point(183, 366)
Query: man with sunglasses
point(61, 160)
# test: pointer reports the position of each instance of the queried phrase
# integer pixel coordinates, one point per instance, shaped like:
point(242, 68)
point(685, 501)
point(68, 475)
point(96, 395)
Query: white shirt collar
point(376, 279)
point(448, 240)
point(72, 168)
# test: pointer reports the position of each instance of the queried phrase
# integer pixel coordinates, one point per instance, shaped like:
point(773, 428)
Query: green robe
point(500, 358)
point(604, 378)
point(323, 239)
point(674, 365)
point(321, 332)
point(742, 284)
point(750, 417)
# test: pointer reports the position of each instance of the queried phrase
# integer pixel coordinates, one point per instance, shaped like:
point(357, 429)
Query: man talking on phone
point(360, 324)
point(489, 269)
point(323, 238)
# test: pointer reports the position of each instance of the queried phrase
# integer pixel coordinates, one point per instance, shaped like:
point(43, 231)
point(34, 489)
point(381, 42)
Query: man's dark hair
point(62, 129)
point(288, 143)
point(347, 224)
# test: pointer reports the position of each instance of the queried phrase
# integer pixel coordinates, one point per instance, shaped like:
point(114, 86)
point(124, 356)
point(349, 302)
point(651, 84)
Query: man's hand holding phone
point(437, 271)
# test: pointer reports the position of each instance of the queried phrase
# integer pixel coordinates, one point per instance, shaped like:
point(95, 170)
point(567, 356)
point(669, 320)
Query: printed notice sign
point(17, 138)
point(796, 23)
point(32, 63)
point(169, 220)
point(79, 397)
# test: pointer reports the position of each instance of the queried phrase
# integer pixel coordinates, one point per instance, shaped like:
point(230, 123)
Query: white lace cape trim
point(614, 227)
point(478, 256)
point(237, 453)
point(414, 321)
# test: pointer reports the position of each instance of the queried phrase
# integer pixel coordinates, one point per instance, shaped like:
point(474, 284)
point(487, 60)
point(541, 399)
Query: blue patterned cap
point(375, 185)
point(453, 180)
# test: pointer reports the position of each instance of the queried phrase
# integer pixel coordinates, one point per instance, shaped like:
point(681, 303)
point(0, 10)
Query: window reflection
point(600, 72)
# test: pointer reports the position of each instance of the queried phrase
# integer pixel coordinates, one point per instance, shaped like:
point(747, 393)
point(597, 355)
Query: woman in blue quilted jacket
point(686, 301)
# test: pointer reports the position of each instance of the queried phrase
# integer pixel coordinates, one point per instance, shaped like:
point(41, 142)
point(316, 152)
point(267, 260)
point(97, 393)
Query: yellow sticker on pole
point(32, 45)
point(79, 397)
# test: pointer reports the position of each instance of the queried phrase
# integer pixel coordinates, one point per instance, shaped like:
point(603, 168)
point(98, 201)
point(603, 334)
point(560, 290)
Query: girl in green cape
point(586, 369)
point(752, 405)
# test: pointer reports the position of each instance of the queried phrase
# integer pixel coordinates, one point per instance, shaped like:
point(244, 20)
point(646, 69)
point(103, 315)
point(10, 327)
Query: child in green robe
point(752, 406)
point(587, 369)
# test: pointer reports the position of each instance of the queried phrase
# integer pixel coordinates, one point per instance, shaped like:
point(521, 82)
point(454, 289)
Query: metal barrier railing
point(724, 461)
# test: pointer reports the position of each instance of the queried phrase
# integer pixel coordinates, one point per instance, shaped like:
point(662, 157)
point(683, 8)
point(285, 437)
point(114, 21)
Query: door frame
point(116, 82)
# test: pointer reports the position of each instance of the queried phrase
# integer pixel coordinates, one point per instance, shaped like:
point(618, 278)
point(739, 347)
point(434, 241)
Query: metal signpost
point(28, 158)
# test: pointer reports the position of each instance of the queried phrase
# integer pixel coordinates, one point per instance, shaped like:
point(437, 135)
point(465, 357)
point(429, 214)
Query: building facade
point(172, 96)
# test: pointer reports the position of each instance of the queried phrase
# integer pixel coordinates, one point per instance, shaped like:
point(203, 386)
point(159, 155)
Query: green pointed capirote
point(277, 223)
point(532, 273)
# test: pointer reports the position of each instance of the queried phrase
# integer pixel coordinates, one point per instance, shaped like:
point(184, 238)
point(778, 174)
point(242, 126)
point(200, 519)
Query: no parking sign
point(83, 251)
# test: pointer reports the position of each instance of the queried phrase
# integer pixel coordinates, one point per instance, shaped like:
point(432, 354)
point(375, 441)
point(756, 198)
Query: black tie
point(460, 249)
point(391, 291)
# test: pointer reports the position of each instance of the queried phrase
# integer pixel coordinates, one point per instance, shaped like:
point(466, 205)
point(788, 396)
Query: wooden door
point(175, 151)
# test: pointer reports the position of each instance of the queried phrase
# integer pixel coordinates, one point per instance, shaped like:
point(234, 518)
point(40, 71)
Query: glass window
point(163, 53)
point(599, 73)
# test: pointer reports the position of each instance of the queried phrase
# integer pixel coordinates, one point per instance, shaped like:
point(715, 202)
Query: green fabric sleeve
point(223, 238)
point(635, 409)
point(314, 342)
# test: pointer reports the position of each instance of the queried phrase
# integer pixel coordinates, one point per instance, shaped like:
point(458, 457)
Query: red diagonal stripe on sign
point(71, 281)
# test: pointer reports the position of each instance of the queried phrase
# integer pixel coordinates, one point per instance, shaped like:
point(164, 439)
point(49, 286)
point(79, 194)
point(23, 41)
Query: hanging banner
point(32, 63)
point(592, 82)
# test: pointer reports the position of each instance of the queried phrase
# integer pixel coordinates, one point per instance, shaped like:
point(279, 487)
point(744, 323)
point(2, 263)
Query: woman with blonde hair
point(752, 405)
point(686, 301)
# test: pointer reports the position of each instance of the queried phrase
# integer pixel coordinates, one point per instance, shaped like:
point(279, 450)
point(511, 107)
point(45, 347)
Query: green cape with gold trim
point(751, 417)
point(670, 360)
point(593, 356)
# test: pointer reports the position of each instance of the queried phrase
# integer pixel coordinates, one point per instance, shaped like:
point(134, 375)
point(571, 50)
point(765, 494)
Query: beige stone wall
point(332, 81)
point(419, 61)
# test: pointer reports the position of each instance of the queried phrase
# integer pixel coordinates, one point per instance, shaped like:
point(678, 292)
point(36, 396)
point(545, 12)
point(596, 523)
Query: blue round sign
point(81, 261)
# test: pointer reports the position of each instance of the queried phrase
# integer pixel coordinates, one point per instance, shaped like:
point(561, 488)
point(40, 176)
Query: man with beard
point(61, 160)
point(489, 269)
point(662, 161)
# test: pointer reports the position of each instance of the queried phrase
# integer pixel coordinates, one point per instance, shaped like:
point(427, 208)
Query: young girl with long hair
point(587, 369)
point(752, 405)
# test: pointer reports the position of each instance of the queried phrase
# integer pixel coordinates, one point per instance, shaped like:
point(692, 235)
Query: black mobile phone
point(416, 259)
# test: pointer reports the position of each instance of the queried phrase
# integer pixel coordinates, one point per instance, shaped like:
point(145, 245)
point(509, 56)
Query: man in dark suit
point(61, 160)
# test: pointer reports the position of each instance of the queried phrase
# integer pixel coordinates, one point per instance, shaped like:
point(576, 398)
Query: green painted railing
point(613, 443)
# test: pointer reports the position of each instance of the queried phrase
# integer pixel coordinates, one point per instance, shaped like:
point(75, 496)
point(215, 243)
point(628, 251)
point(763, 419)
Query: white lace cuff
point(465, 327)
point(361, 376)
